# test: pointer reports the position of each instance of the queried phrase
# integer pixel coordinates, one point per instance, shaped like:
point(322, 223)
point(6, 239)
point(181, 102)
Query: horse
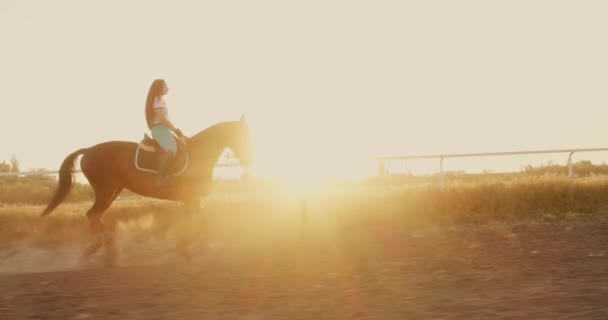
point(112, 166)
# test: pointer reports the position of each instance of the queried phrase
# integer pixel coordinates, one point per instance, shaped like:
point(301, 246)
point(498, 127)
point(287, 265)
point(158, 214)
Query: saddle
point(148, 144)
point(148, 155)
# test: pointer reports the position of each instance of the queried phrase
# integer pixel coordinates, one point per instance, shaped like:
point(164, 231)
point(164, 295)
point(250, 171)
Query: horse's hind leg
point(103, 199)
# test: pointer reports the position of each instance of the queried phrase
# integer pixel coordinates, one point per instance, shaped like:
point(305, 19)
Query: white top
point(159, 103)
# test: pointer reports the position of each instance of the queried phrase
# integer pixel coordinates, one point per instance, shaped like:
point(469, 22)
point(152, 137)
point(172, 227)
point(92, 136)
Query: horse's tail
point(65, 181)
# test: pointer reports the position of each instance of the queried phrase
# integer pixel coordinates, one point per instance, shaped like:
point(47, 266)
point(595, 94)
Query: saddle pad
point(148, 159)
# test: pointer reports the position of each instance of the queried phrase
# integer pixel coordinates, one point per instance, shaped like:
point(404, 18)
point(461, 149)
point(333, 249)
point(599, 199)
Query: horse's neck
point(208, 152)
point(209, 144)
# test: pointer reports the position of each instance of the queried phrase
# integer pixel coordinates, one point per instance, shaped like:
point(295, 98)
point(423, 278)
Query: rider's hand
point(182, 139)
point(180, 136)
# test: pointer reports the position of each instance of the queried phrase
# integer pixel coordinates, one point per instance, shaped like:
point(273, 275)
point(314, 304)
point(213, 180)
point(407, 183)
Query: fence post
point(381, 169)
point(441, 176)
point(303, 213)
point(571, 175)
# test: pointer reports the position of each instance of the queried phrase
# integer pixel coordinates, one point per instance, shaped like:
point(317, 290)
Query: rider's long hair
point(155, 90)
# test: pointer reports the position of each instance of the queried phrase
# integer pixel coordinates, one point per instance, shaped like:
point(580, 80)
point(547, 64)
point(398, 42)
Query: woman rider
point(157, 118)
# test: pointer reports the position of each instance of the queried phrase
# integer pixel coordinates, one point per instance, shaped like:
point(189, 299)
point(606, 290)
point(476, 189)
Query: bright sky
point(336, 77)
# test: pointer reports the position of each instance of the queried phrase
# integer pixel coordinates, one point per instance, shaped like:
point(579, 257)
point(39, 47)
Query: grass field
point(237, 207)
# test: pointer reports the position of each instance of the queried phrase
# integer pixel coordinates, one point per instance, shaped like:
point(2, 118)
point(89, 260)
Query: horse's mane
point(208, 134)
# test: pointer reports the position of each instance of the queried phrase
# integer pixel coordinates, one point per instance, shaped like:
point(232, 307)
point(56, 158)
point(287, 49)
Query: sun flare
point(311, 170)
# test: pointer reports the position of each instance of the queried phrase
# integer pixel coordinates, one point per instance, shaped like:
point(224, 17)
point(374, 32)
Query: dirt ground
point(554, 270)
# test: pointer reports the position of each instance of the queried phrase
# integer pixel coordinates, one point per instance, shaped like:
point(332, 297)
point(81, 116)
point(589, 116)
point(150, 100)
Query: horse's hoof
point(90, 250)
point(110, 260)
point(185, 254)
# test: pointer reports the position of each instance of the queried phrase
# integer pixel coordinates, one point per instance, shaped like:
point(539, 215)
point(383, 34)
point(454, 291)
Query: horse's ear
point(243, 119)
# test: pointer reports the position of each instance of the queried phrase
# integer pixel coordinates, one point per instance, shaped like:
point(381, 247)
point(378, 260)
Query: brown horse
point(112, 166)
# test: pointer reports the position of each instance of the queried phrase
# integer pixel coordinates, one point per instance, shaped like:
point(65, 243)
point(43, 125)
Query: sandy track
point(531, 271)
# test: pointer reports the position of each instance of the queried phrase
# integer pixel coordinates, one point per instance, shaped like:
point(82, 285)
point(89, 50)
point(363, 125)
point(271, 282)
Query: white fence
point(382, 160)
point(441, 157)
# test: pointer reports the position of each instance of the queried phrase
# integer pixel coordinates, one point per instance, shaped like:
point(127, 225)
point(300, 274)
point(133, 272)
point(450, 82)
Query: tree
point(5, 167)
point(15, 164)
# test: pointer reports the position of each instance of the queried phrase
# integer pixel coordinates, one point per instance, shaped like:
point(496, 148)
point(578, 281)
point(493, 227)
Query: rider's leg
point(166, 161)
point(166, 140)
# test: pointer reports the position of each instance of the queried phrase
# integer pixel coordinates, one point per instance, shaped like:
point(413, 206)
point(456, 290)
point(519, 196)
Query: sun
point(311, 169)
point(306, 153)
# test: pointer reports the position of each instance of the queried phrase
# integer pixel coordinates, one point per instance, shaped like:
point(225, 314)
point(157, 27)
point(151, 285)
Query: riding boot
point(163, 168)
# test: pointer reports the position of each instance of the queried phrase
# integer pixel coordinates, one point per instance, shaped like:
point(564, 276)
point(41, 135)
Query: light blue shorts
point(164, 137)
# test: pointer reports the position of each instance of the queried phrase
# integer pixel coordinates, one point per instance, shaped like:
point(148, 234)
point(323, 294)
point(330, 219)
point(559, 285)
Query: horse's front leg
point(192, 214)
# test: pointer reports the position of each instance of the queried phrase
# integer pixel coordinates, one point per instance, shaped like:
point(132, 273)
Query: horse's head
point(234, 135)
point(240, 143)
